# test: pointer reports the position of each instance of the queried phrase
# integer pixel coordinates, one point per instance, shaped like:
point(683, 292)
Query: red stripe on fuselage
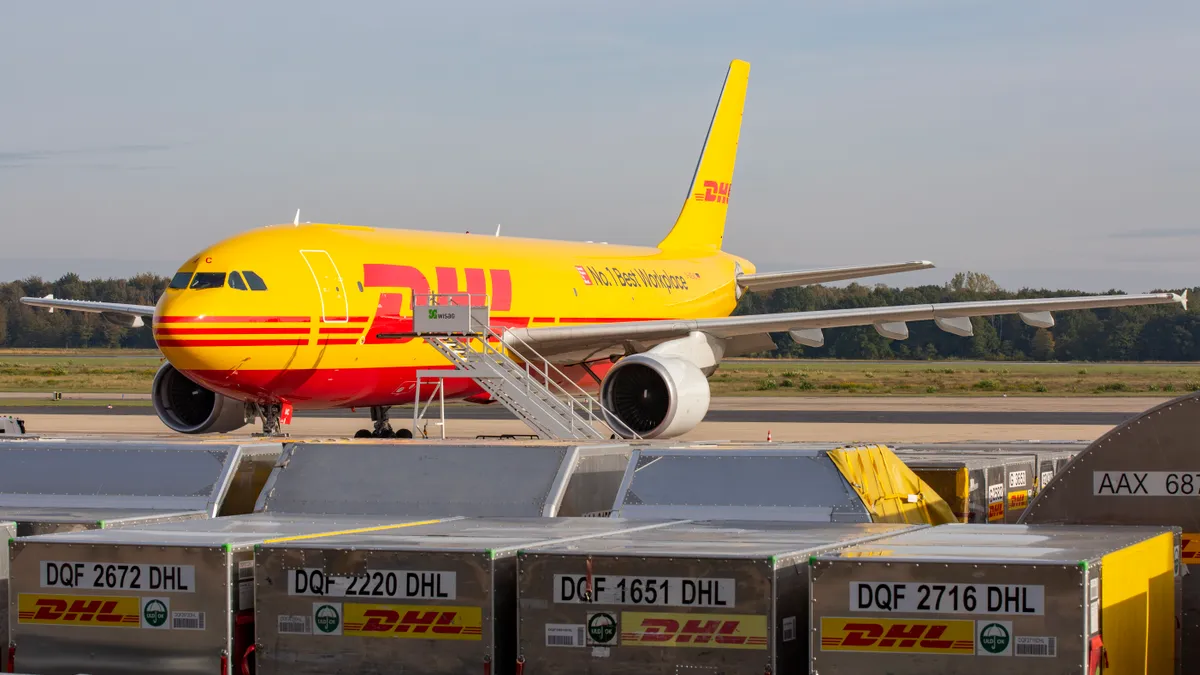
point(325, 388)
point(337, 341)
point(232, 343)
point(233, 319)
point(357, 329)
point(235, 331)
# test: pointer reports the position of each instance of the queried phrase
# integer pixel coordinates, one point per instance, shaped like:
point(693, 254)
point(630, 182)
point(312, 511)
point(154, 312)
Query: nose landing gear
point(383, 427)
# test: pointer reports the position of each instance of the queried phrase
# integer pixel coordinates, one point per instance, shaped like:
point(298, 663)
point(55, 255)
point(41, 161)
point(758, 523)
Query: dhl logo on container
point(905, 636)
point(79, 610)
point(996, 511)
point(1191, 549)
point(1018, 500)
point(412, 621)
point(710, 631)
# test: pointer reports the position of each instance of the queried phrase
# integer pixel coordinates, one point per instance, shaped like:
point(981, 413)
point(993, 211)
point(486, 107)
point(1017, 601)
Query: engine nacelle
point(188, 408)
point(654, 395)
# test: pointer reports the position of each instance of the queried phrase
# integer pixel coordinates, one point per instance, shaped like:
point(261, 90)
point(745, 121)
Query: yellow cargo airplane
point(310, 316)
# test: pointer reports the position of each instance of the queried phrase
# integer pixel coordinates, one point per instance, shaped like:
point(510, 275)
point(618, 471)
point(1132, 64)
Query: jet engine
point(188, 408)
point(654, 395)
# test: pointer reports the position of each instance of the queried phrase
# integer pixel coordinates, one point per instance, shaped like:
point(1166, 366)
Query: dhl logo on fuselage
point(711, 631)
point(906, 636)
point(714, 192)
point(79, 610)
point(413, 621)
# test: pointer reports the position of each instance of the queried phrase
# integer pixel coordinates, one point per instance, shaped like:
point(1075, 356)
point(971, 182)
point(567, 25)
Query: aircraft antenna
point(497, 229)
point(296, 222)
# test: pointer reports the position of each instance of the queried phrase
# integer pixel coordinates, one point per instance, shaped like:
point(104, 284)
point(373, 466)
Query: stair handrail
point(481, 330)
point(549, 367)
point(541, 405)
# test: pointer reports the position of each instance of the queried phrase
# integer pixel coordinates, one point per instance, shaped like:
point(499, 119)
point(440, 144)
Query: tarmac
point(818, 419)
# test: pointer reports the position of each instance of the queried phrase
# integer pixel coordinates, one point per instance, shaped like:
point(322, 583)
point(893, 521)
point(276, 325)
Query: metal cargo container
point(1052, 456)
point(974, 485)
point(1017, 487)
point(172, 598)
point(1143, 472)
point(483, 479)
point(445, 594)
point(57, 486)
point(999, 599)
point(800, 483)
point(7, 532)
point(697, 597)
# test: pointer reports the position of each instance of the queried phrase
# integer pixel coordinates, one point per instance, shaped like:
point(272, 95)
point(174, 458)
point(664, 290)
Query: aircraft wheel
point(386, 433)
point(362, 433)
point(404, 433)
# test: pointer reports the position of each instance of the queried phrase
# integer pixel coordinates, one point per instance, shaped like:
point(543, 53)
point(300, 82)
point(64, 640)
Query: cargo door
point(334, 307)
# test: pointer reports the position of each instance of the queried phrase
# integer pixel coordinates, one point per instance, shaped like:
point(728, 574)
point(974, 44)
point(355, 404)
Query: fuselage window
point(180, 280)
point(204, 280)
point(235, 281)
point(255, 281)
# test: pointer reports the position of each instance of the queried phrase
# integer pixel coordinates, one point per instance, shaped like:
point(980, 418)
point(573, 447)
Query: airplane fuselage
point(323, 333)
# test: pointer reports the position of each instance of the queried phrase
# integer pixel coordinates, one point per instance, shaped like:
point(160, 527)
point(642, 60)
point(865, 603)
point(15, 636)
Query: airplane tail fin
point(701, 222)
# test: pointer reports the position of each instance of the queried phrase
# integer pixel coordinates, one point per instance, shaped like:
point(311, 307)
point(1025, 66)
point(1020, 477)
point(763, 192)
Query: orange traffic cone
point(768, 435)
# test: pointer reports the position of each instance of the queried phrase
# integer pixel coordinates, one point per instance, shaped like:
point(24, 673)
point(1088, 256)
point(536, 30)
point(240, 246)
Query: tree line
point(1148, 333)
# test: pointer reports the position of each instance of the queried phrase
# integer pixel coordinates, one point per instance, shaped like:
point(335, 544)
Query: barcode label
point(245, 594)
point(1035, 646)
point(187, 620)
point(565, 635)
point(297, 624)
point(789, 628)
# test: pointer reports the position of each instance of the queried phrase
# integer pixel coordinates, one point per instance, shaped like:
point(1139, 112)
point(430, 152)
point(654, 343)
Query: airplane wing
point(742, 334)
point(771, 280)
point(115, 312)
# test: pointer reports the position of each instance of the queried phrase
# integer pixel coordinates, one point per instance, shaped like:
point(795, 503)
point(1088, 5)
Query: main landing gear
point(383, 427)
point(270, 414)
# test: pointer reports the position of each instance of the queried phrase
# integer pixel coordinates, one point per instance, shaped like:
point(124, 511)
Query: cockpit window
point(235, 281)
point(180, 280)
point(255, 281)
point(204, 280)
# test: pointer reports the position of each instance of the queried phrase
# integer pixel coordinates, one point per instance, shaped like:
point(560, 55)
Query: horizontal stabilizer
point(88, 306)
point(769, 281)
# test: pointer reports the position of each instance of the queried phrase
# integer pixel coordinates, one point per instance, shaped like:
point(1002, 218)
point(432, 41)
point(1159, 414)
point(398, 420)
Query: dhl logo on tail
point(710, 631)
point(74, 610)
point(714, 192)
point(897, 635)
point(411, 621)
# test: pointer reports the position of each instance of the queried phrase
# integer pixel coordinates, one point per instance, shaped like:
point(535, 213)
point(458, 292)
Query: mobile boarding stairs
point(458, 326)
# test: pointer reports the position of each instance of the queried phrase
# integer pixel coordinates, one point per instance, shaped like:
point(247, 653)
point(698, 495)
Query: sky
point(1048, 144)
